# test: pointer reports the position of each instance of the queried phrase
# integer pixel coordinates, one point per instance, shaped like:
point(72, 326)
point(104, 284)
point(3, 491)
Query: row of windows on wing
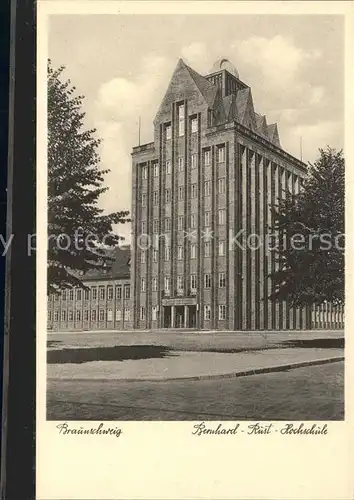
point(193, 192)
point(94, 292)
point(180, 252)
point(181, 162)
point(100, 314)
point(180, 283)
point(207, 312)
point(221, 220)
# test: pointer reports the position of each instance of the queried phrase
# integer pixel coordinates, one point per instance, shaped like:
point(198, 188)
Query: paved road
point(311, 393)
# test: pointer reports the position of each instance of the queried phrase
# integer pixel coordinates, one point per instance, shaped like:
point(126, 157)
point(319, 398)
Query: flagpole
point(139, 125)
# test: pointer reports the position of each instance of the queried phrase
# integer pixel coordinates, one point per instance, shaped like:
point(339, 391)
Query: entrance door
point(179, 316)
point(192, 317)
point(167, 317)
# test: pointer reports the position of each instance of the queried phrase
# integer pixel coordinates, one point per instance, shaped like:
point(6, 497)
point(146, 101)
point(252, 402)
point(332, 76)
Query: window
point(154, 255)
point(127, 291)
point(207, 249)
point(168, 167)
point(143, 257)
point(207, 312)
point(180, 164)
point(93, 315)
point(180, 253)
point(193, 220)
point(102, 315)
point(221, 185)
point(222, 311)
point(180, 284)
point(71, 316)
point(156, 198)
point(156, 169)
point(56, 297)
point(207, 188)
point(78, 315)
point(102, 292)
point(86, 315)
point(180, 193)
point(193, 282)
point(207, 280)
point(71, 294)
point(118, 315)
point(126, 314)
point(49, 315)
point(181, 120)
point(143, 227)
point(143, 200)
point(144, 172)
point(142, 284)
point(109, 315)
point(56, 315)
point(94, 293)
point(168, 131)
point(221, 248)
point(78, 294)
point(194, 125)
point(207, 218)
point(180, 223)
point(168, 196)
point(86, 294)
point(63, 315)
point(167, 285)
point(221, 154)
point(193, 191)
point(155, 226)
point(167, 224)
point(142, 313)
point(222, 280)
point(110, 292)
point(63, 295)
point(193, 251)
point(167, 253)
point(118, 291)
point(154, 284)
point(154, 313)
point(194, 160)
point(207, 157)
point(222, 216)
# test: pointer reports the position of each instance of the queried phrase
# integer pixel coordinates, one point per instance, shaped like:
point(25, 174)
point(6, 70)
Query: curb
point(244, 373)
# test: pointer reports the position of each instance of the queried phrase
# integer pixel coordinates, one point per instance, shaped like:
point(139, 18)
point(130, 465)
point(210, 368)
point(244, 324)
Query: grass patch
point(115, 353)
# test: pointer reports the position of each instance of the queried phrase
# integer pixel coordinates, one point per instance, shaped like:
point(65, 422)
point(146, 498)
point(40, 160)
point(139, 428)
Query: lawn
point(311, 393)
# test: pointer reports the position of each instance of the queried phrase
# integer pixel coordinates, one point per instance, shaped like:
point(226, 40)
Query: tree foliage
point(310, 225)
point(78, 230)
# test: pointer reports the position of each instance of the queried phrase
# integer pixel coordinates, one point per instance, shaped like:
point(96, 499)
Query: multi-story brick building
point(104, 303)
point(199, 190)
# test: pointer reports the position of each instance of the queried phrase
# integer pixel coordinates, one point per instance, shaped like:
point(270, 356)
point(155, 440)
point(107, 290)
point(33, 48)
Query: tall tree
point(310, 226)
point(78, 230)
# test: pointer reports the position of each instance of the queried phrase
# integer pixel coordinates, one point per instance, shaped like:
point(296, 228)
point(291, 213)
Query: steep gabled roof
point(262, 126)
point(273, 134)
point(120, 268)
point(206, 88)
point(241, 103)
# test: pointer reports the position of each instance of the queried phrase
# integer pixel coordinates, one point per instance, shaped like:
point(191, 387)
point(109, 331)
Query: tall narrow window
point(181, 120)
point(193, 281)
point(222, 280)
point(143, 200)
point(142, 284)
point(180, 193)
point(180, 222)
point(221, 185)
point(154, 313)
point(127, 291)
point(180, 253)
point(168, 131)
point(194, 162)
point(143, 257)
point(207, 280)
point(78, 294)
point(167, 285)
point(110, 292)
point(142, 313)
point(207, 249)
point(154, 284)
point(93, 314)
point(144, 172)
point(221, 248)
point(118, 291)
point(168, 196)
point(167, 224)
point(168, 166)
point(193, 251)
point(207, 219)
point(154, 255)
point(194, 125)
point(207, 188)
point(180, 284)
point(193, 190)
point(155, 226)
point(156, 169)
point(94, 293)
point(222, 311)
point(193, 220)
point(167, 253)
point(207, 312)
point(156, 197)
point(207, 158)
point(180, 164)
point(221, 154)
point(222, 216)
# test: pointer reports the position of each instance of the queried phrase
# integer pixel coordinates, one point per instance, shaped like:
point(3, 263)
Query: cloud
point(197, 56)
point(119, 103)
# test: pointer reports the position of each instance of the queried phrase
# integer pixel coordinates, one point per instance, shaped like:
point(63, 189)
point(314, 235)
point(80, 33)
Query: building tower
point(200, 190)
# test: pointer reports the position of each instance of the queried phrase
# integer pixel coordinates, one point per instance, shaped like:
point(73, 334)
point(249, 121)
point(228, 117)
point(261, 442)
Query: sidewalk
point(179, 365)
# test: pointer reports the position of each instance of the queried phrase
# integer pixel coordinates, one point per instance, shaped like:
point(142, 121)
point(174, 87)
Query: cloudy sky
point(122, 65)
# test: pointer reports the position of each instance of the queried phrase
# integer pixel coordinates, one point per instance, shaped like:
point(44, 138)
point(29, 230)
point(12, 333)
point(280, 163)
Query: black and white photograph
point(196, 189)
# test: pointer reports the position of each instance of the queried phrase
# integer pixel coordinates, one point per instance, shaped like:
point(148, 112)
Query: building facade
point(202, 198)
point(104, 304)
